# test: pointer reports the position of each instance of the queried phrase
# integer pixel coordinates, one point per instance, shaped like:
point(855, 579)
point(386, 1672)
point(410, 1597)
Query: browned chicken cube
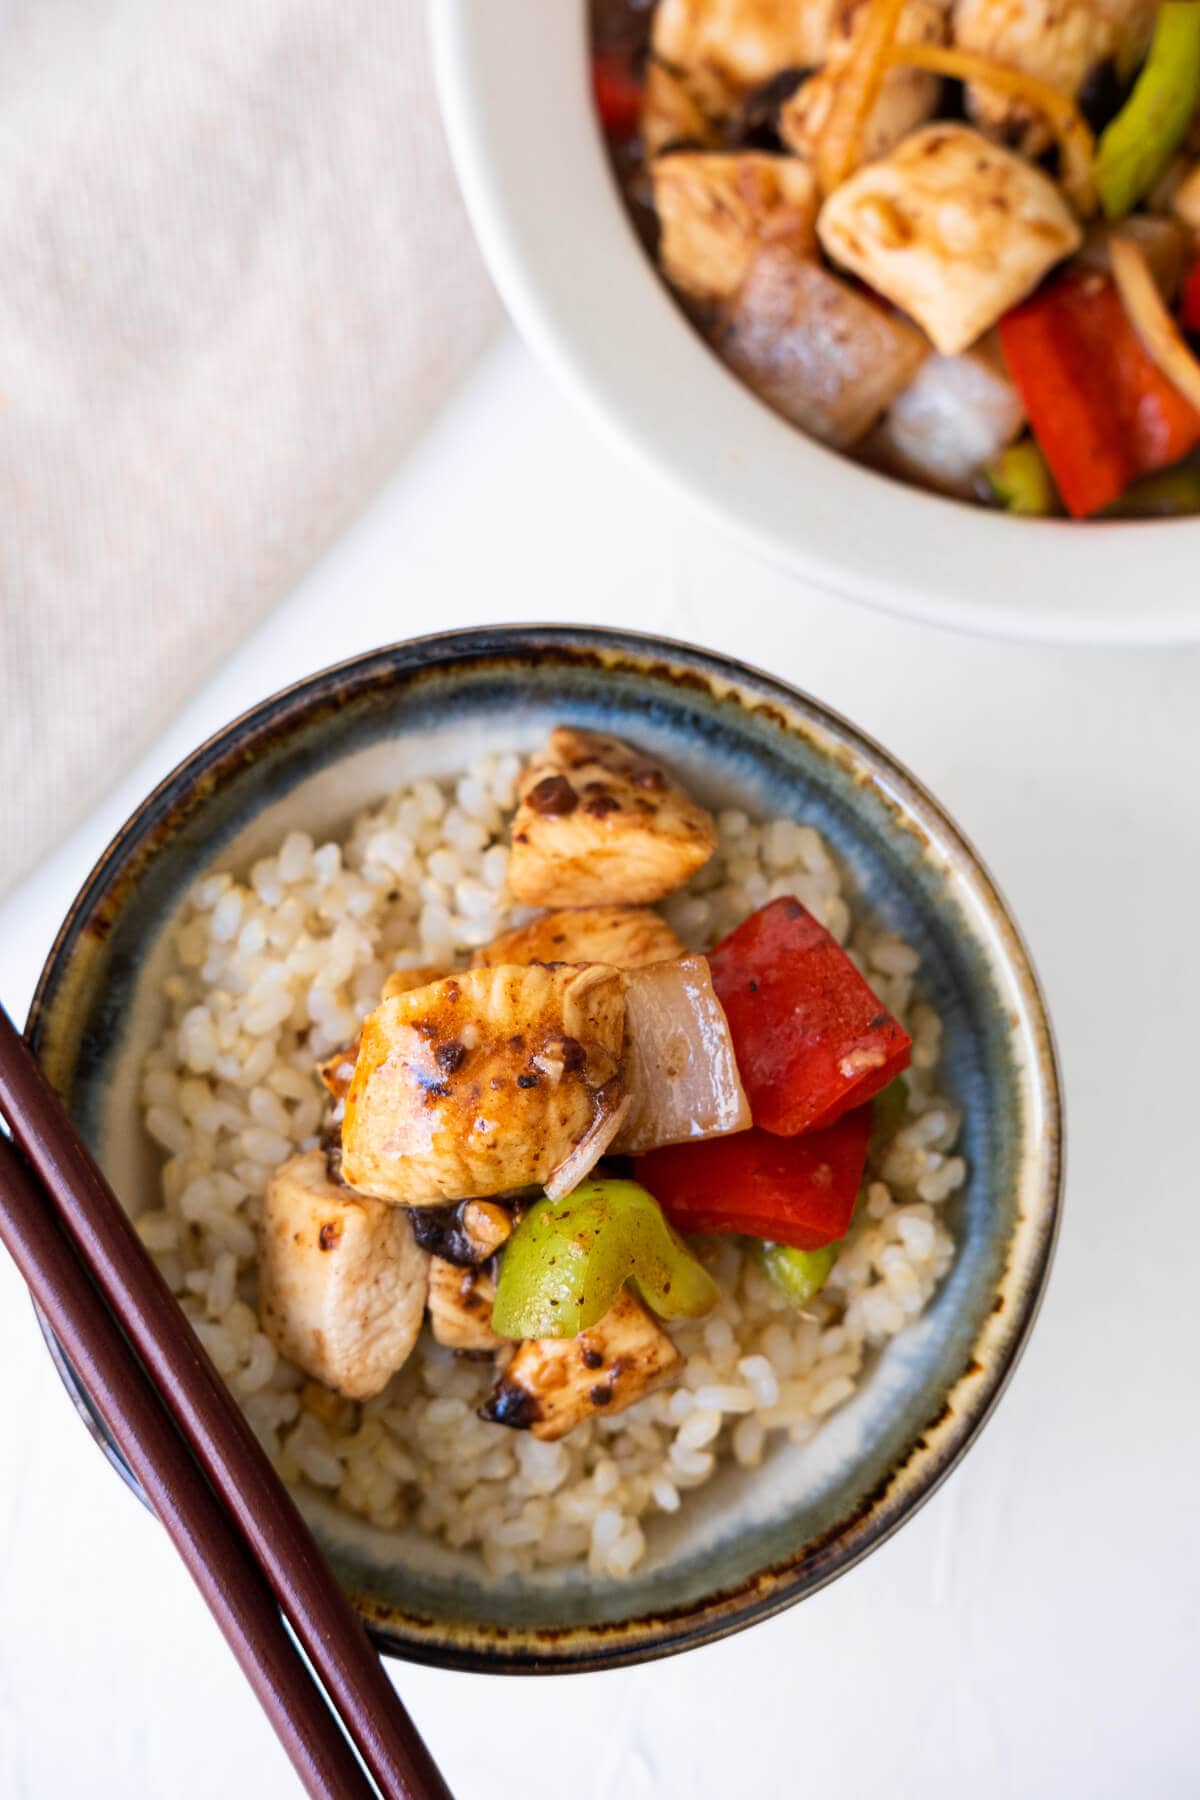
point(729, 46)
point(485, 1083)
point(598, 823)
point(715, 212)
point(670, 112)
point(950, 227)
point(624, 937)
point(343, 1280)
point(814, 348)
point(460, 1306)
point(337, 1071)
point(553, 1384)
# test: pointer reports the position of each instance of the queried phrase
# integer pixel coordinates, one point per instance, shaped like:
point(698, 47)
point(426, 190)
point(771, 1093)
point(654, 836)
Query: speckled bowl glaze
point(747, 1544)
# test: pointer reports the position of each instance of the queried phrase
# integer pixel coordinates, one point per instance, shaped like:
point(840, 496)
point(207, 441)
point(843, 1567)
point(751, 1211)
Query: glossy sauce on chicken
point(482, 1083)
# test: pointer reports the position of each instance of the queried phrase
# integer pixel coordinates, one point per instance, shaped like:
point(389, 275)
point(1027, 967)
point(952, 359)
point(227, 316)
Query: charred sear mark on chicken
point(552, 796)
point(539, 1074)
point(553, 1384)
point(625, 840)
point(467, 1232)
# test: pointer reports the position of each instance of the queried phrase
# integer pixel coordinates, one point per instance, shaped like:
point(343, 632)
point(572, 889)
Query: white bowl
point(513, 80)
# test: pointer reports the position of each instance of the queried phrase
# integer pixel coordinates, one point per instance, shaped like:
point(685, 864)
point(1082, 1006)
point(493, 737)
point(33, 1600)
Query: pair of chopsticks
point(204, 1472)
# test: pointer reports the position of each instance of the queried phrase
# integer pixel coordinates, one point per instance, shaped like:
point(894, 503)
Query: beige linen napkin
point(235, 279)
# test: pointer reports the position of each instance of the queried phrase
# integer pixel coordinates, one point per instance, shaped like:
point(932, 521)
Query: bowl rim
point(942, 1442)
point(546, 224)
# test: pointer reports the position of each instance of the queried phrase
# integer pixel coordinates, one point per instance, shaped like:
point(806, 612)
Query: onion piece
point(1160, 336)
point(681, 1073)
point(612, 1107)
point(1075, 138)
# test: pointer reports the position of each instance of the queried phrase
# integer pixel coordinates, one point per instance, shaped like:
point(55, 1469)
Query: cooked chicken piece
point(670, 113)
point(553, 1384)
point(460, 1306)
point(954, 419)
point(599, 823)
point(343, 1280)
point(1058, 41)
point(814, 348)
point(491, 1080)
point(624, 937)
point(465, 1234)
point(952, 228)
point(716, 211)
point(726, 47)
point(1165, 244)
point(906, 99)
point(337, 1071)
point(1186, 204)
point(403, 981)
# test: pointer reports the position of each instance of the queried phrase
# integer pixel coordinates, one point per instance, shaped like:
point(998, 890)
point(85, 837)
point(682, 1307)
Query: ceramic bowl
point(513, 80)
point(748, 1544)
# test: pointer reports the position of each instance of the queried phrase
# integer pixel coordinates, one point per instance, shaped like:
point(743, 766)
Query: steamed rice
point(276, 969)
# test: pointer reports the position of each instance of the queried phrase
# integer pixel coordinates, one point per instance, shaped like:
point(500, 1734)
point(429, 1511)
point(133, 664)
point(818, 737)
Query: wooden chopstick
point(216, 1558)
point(205, 1411)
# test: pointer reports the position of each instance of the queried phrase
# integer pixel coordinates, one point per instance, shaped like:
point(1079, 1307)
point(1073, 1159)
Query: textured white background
point(1035, 1632)
point(207, 212)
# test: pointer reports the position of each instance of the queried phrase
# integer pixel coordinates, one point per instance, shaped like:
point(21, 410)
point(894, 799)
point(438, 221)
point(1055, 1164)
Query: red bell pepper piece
point(1101, 410)
point(1189, 310)
point(618, 94)
point(811, 1039)
point(798, 1191)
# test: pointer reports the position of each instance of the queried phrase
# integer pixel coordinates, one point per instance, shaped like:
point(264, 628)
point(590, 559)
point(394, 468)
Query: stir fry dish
point(510, 1203)
point(476, 1158)
point(958, 242)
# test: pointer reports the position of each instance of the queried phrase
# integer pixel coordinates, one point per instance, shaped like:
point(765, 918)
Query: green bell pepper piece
point(798, 1273)
point(1136, 147)
point(568, 1259)
point(1021, 481)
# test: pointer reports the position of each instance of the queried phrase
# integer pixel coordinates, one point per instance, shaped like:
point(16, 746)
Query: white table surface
point(1035, 1631)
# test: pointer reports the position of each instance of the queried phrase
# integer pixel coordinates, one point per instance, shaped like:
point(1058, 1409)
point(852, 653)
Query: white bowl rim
point(512, 80)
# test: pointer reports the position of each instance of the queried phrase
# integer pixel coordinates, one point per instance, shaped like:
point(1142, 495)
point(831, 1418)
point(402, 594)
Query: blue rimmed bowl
point(750, 1543)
